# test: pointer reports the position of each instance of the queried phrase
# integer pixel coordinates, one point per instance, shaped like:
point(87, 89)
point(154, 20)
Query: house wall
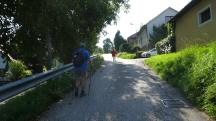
point(143, 39)
point(189, 32)
point(133, 42)
point(160, 19)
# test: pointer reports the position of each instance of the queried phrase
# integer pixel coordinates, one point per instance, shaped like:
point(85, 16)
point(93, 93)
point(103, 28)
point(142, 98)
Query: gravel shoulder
point(124, 91)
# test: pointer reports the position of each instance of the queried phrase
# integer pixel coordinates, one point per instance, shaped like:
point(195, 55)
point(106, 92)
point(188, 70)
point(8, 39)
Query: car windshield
point(152, 50)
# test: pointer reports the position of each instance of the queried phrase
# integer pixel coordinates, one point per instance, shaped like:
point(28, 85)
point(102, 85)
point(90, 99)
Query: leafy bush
point(166, 45)
point(210, 100)
point(98, 50)
point(17, 70)
point(29, 106)
point(193, 70)
point(138, 54)
point(96, 63)
point(127, 56)
point(125, 47)
point(135, 49)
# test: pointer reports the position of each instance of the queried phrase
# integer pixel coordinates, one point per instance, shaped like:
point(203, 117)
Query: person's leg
point(77, 87)
point(83, 83)
point(77, 83)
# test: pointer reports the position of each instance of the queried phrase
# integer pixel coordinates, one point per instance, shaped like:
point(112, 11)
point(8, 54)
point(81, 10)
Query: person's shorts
point(80, 74)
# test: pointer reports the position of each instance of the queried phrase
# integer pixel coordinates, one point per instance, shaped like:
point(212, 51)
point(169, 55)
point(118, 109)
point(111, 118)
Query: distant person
point(114, 54)
point(81, 60)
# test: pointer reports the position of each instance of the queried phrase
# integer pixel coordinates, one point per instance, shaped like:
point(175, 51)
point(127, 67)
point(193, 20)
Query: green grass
point(193, 70)
point(31, 104)
point(127, 56)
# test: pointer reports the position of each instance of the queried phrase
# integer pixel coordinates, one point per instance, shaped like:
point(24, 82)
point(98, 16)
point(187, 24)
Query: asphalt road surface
point(126, 90)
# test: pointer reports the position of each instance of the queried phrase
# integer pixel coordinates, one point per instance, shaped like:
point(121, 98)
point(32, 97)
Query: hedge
point(127, 55)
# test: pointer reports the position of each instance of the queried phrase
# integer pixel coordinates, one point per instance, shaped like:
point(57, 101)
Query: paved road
point(124, 91)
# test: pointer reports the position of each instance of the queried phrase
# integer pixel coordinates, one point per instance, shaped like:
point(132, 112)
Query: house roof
point(142, 28)
point(134, 36)
point(186, 9)
point(162, 13)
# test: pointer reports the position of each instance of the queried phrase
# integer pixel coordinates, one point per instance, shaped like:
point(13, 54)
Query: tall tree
point(54, 28)
point(7, 25)
point(118, 40)
point(107, 45)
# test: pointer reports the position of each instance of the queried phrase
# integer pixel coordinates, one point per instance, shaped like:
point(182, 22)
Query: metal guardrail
point(14, 88)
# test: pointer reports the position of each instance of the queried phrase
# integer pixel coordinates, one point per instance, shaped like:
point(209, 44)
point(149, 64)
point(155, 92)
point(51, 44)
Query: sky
point(140, 13)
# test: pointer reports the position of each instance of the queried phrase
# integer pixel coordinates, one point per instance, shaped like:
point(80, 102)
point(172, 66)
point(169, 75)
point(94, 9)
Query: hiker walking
point(114, 53)
point(81, 60)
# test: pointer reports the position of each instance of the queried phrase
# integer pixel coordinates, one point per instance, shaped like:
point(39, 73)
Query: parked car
point(153, 52)
point(145, 55)
point(149, 53)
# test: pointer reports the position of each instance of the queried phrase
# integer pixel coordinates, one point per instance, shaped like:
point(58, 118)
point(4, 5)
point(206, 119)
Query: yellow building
point(196, 24)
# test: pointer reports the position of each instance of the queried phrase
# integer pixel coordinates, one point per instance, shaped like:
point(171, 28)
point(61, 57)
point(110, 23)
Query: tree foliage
point(167, 45)
point(7, 25)
point(118, 40)
point(125, 47)
point(46, 29)
point(98, 50)
point(158, 34)
point(107, 45)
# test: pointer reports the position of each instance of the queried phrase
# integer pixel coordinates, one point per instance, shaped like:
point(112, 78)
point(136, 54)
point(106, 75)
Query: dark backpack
point(78, 58)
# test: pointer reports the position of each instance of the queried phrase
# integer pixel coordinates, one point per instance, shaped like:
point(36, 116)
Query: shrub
point(125, 47)
point(17, 70)
point(135, 49)
point(166, 45)
point(98, 50)
point(138, 54)
point(31, 104)
point(210, 100)
point(96, 63)
point(193, 70)
point(127, 56)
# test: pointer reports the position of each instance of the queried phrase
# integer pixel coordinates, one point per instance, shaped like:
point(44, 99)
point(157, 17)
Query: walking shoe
point(82, 93)
point(76, 92)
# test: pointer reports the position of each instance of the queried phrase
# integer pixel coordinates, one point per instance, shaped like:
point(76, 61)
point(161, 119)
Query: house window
point(205, 15)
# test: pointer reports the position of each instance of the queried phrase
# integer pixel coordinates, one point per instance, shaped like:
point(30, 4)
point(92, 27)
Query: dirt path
point(125, 91)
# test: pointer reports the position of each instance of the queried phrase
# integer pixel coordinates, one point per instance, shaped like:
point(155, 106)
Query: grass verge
point(127, 55)
point(31, 104)
point(193, 70)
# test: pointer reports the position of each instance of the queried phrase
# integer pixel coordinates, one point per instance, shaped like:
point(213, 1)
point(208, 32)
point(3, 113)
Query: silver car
point(150, 53)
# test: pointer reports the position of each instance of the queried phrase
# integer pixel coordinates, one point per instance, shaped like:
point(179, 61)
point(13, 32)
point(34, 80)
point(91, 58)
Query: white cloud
point(140, 13)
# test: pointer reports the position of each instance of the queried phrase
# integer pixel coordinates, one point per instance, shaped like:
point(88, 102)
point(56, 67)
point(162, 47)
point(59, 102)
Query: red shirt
point(114, 53)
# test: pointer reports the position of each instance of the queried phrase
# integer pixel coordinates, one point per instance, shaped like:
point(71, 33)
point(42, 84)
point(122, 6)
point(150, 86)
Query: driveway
point(125, 91)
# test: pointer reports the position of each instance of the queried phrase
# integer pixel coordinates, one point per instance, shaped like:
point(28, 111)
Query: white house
point(146, 30)
point(132, 40)
point(161, 19)
point(143, 38)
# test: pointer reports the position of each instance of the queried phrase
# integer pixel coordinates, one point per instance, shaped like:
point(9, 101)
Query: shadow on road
point(123, 91)
point(137, 92)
